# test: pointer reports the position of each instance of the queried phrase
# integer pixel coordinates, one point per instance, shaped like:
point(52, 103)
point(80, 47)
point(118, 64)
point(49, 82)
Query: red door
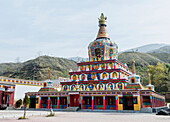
point(74, 100)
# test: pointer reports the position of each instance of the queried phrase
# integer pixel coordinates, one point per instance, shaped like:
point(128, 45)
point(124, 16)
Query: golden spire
point(102, 33)
point(48, 77)
point(102, 20)
point(149, 79)
point(133, 66)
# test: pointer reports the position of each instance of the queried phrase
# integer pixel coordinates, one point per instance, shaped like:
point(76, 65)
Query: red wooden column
point(4, 98)
point(39, 102)
point(67, 101)
point(141, 101)
point(103, 102)
point(81, 102)
point(117, 97)
point(92, 102)
point(151, 101)
point(58, 100)
point(48, 102)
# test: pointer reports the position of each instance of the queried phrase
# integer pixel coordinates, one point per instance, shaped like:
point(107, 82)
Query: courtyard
point(40, 116)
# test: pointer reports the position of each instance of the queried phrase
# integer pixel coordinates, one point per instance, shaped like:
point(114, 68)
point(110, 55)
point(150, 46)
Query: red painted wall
point(1, 93)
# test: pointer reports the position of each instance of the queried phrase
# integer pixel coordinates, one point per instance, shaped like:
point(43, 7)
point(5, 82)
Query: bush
point(18, 103)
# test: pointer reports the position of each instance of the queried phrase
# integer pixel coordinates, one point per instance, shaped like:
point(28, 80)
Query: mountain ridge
point(37, 68)
point(146, 48)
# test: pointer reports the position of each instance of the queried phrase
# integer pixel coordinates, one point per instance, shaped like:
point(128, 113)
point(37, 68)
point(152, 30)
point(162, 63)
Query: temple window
point(97, 53)
point(132, 80)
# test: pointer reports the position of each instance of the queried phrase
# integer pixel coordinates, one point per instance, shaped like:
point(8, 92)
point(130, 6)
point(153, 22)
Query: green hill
point(38, 68)
point(144, 59)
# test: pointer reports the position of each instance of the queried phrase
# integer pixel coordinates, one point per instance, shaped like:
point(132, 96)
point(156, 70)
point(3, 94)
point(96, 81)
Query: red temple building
point(102, 82)
point(7, 94)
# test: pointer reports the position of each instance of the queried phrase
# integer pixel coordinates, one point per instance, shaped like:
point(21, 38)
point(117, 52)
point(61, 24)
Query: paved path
point(18, 113)
point(88, 117)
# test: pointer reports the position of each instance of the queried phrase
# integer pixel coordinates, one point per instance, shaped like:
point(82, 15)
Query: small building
point(7, 94)
point(102, 82)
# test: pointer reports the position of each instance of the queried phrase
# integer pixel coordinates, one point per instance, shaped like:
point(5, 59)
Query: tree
point(26, 102)
point(18, 103)
point(159, 76)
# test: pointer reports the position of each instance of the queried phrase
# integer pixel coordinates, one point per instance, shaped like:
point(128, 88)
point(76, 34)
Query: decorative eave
point(133, 86)
point(100, 71)
point(47, 89)
point(103, 61)
point(95, 82)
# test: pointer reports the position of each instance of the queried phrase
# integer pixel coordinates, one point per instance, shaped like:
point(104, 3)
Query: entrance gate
point(128, 102)
point(74, 100)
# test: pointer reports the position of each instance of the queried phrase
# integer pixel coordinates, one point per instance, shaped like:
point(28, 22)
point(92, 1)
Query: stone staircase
point(71, 109)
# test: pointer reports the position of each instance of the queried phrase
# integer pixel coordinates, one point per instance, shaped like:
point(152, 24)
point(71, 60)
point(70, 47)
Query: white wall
point(20, 91)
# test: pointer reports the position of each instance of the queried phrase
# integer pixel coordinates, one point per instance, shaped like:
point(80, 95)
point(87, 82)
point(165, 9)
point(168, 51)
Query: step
point(72, 109)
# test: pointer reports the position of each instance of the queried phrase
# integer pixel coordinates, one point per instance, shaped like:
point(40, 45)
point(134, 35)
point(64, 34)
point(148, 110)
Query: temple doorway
point(87, 102)
point(99, 102)
point(74, 100)
point(32, 102)
point(110, 102)
point(128, 102)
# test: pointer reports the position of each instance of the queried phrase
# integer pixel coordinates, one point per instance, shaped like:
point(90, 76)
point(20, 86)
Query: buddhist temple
point(102, 82)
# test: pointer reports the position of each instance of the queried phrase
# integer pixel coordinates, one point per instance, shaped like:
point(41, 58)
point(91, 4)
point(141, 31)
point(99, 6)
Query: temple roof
point(133, 86)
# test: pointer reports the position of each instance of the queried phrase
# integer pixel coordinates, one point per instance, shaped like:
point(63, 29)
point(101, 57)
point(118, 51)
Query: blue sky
point(64, 28)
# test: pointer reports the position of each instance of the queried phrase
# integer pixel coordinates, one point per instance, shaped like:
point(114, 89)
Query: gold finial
point(102, 20)
point(149, 79)
point(48, 77)
point(102, 33)
point(133, 66)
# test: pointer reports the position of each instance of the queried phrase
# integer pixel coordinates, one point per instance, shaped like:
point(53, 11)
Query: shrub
point(18, 103)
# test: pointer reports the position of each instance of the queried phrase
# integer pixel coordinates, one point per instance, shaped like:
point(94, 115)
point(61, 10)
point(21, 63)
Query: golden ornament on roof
point(102, 19)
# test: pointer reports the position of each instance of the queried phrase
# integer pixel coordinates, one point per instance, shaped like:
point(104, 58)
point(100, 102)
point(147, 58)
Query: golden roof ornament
point(48, 77)
point(102, 30)
point(102, 20)
point(149, 78)
point(133, 66)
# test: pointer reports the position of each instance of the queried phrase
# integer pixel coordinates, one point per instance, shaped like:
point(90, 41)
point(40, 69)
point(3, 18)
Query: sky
point(64, 28)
